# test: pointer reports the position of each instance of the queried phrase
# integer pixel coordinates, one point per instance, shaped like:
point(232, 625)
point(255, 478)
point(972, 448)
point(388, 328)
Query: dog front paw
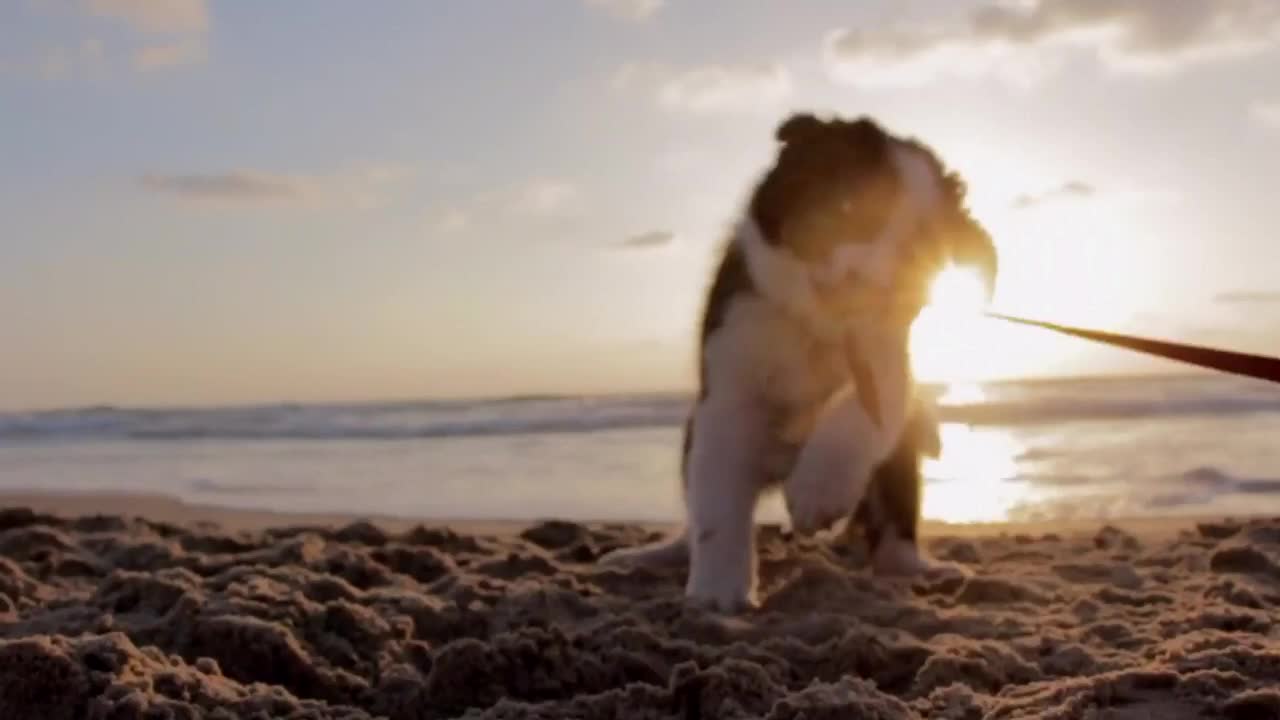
point(725, 587)
point(833, 468)
point(727, 598)
point(816, 501)
point(825, 487)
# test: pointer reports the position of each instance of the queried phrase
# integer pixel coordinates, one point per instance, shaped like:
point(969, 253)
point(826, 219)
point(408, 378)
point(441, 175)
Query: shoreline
point(171, 508)
point(360, 401)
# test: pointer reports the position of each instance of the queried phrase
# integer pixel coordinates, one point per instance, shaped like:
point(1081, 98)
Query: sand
point(146, 608)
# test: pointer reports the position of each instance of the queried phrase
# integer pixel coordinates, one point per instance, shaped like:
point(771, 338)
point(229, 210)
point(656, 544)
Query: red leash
point(1260, 367)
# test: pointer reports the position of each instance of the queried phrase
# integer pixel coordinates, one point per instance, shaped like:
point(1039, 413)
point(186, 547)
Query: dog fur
point(838, 245)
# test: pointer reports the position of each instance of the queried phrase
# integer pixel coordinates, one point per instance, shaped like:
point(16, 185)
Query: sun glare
point(949, 339)
point(976, 478)
point(957, 291)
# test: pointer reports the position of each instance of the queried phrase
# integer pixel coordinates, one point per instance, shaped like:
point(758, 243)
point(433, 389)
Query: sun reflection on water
point(962, 393)
point(976, 477)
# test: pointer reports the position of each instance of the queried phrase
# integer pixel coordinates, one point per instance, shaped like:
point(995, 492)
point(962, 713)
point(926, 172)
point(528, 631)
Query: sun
point(951, 340)
point(957, 291)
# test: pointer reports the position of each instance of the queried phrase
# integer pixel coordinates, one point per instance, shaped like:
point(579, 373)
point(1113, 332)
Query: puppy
point(804, 373)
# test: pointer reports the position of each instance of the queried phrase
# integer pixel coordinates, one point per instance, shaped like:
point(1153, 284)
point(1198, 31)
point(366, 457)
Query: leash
point(1259, 367)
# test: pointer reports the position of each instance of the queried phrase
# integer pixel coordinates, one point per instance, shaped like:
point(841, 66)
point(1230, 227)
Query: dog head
point(867, 217)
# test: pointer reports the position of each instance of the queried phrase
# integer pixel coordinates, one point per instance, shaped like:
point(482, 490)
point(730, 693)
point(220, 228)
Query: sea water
point(1011, 451)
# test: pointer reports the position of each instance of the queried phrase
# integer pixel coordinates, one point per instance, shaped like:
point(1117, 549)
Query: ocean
point(1093, 449)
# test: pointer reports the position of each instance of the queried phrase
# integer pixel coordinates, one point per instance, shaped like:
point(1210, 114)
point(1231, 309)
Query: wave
point(1217, 479)
point(1063, 410)
point(522, 416)
point(221, 487)
point(1010, 405)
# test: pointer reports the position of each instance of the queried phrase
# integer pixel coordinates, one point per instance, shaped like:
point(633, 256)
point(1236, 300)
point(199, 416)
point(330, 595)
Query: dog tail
point(663, 553)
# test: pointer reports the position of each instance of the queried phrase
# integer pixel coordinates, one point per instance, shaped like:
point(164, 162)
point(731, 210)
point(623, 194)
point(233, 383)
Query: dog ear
point(798, 127)
point(864, 132)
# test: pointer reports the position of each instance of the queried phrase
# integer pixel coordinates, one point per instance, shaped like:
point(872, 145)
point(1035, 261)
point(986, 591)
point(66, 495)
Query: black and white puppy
point(805, 378)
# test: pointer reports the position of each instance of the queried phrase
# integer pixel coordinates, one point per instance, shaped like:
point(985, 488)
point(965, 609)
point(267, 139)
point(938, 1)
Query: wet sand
point(142, 607)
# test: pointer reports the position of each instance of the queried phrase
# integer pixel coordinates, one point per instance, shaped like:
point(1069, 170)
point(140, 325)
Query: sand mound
point(107, 617)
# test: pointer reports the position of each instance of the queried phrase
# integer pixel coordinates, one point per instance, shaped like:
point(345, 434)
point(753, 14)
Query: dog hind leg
point(669, 551)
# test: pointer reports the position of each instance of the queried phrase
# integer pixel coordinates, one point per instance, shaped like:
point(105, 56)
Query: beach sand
point(142, 607)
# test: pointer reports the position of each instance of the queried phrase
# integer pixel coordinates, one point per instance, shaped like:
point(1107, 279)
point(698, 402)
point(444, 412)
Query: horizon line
point(534, 396)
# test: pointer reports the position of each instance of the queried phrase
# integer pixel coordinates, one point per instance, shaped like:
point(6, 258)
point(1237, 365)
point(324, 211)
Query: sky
point(231, 202)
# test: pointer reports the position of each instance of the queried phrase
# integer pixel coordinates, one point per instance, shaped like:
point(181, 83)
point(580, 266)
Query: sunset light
point(952, 343)
point(947, 341)
point(419, 320)
point(975, 479)
point(957, 291)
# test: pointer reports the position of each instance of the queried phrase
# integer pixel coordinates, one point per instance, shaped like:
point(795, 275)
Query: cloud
point(161, 34)
point(1247, 297)
point(1133, 33)
point(168, 55)
point(904, 59)
point(648, 240)
point(540, 199)
point(1266, 113)
point(634, 10)
point(450, 221)
point(1025, 39)
point(236, 185)
point(546, 197)
point(155, 16)
point(174, 30)
point(708, 89)
point(1071, 189)
point(722, 88)
point(363, 187)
